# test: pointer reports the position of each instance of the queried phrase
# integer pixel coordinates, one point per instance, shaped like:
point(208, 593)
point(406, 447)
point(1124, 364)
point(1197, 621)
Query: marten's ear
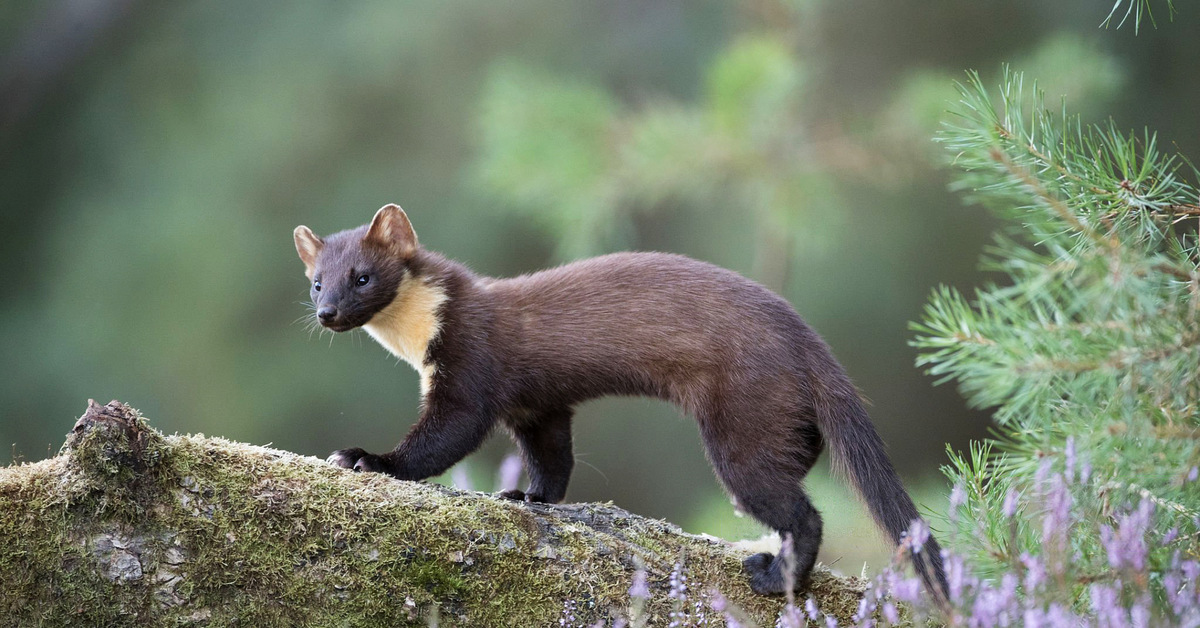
point(390, 228)
point(308, 245)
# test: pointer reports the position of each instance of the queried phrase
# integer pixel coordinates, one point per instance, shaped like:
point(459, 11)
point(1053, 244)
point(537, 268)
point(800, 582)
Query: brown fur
point(521, 352)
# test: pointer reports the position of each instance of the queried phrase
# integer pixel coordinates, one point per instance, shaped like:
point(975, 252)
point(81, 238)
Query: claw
point(348, 458)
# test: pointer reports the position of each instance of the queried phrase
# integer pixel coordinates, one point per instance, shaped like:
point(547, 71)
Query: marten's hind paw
point(763, 570)
point(522, 496)
point(767, 577)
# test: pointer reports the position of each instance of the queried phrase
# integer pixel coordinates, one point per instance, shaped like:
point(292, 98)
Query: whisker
point(580, 460)
point(313, 326)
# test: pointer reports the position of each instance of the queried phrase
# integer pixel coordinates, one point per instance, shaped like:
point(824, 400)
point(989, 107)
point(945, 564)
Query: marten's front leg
point(451, 427)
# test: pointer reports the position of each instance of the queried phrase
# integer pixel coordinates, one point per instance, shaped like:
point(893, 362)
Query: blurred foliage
point(566, 154)
point(151, 186)
point(1070, 67)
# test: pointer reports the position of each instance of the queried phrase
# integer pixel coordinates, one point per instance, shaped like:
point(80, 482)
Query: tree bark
point(126, 526)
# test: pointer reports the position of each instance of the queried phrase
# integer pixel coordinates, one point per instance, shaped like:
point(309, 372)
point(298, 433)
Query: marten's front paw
point(345, 458)
point(357, 459)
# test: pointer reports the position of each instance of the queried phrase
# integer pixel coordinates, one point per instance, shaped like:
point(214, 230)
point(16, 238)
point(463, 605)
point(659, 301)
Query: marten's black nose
point(326, 313)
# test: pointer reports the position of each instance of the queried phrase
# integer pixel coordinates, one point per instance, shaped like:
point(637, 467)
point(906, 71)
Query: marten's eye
point(363, 280)
point(317, 285)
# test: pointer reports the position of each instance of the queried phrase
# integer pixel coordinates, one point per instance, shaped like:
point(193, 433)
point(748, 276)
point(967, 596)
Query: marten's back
point(644, 323)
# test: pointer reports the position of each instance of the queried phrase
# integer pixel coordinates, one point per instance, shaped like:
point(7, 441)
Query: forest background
point(154, 158)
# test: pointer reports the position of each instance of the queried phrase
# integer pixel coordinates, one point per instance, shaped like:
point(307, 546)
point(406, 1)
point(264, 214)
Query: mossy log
point(126, 526)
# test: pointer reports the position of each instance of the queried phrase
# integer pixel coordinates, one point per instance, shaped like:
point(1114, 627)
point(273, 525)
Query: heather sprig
point(1036, 589)
point(1042, 590)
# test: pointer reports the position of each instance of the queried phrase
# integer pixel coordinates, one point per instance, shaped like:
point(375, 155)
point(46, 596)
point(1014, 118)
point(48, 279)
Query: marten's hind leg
point(793, 517)
point(764, 474)
point(545, 442)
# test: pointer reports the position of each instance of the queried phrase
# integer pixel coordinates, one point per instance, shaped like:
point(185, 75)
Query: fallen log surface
point(127, 526)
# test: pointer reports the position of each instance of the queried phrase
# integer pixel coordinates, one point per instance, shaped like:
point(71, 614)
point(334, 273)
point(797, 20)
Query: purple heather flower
point(1140, 614)
point(509, 474)
point(1060, 617)
point(460, 478)
point(918, 534)
point(890, 613)
point(1008, 589)
point(788, 556)
point(1172, 584)
point(906, 589)
point(862, 609)
point(992, 605)
point(956, 577)
point(791, 617)
point(678, 583)
point(1035, 572)
point(1181, 592)
point(866, 608)
point(1126, 545)
point(639, 589)
point(958, 497)
point(810, 607)
point(1042, 473)
point(1106, 606)
point(1191, 570)
point(1057, 519)
point(1011, 501)
point(718, 602)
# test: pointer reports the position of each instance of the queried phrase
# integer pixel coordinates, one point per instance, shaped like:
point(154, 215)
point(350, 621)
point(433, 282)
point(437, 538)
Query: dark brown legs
point(450, 428)
point(545, 442)
point(797, 520)
point(764, 473)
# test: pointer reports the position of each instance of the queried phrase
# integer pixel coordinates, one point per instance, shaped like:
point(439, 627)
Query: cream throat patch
point(409, 323)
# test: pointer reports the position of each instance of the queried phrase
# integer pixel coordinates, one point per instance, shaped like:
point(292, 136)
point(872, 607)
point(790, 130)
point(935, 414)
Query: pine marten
point(521, 352)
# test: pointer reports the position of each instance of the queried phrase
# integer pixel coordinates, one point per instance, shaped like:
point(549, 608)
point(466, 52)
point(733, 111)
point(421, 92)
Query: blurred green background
point(154, 158)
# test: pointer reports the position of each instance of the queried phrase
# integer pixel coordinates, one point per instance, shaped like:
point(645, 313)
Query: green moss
point(205, 531)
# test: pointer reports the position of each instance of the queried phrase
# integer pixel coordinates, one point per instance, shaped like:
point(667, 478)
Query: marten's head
point(357, 273)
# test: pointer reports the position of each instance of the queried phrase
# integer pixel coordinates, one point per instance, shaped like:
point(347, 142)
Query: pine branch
point(1087, 349)
point(1138, 9)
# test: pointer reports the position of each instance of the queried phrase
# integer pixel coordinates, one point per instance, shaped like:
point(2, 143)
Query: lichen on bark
point(126, 526)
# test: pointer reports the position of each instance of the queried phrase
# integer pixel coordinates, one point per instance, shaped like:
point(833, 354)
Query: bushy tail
point(859, 456)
